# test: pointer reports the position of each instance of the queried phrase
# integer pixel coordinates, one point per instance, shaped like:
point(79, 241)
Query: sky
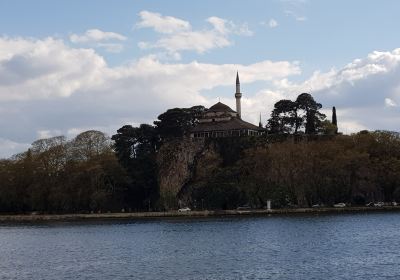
point(69, 66)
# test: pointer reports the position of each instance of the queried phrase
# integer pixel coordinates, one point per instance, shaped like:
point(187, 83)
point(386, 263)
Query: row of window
point(229, 133)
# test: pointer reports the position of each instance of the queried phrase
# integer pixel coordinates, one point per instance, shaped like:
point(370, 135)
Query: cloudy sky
point(69, 66)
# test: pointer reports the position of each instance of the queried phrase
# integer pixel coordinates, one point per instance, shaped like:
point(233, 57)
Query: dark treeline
point(300, 160)
point(56, 175)
point(302, 171)
point(92, 172)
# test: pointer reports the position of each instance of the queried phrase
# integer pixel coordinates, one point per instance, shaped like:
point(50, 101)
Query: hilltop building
point(221, 121)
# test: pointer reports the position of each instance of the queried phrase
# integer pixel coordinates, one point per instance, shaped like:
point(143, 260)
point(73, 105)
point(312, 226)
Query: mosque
point(221, 121)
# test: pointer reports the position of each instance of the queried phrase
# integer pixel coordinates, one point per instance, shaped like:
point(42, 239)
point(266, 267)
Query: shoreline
point(192, 214)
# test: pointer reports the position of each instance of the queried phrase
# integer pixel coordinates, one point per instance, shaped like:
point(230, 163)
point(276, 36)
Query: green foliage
point(89, 144)
point(50, 177)
point(334, 118)
point(136, 150)
point(301, 172)
point(289, 117)
point(328, 128)
point(284, 117)
point(231, 148)
point(89, 174)
point(178, 121)
point(221, 191)
point(312, 117)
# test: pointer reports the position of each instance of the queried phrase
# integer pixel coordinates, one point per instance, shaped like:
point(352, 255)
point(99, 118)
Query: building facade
point(221, 121)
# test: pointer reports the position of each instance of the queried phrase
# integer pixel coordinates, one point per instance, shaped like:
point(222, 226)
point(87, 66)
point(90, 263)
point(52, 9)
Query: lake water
point(349, 246)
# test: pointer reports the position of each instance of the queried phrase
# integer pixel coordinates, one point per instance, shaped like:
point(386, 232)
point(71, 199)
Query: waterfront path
point(189, 214)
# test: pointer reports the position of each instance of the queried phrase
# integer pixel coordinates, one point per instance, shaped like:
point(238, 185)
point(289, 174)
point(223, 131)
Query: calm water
point(359, 246)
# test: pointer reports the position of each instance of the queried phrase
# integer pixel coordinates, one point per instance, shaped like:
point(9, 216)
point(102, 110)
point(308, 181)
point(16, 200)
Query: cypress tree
point(334, 119)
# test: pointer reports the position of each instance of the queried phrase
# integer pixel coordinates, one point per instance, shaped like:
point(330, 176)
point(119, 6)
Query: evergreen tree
point(334, 119)
point(311, 115)
point(291, 116)
point(177, 122)
point(284, 117)
point(136, 150)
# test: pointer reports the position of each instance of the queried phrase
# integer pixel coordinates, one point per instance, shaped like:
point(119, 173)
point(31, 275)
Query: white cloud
point(295, 9)
point(32, 69)
point(272, 23)
point(100, 39)
point(49, 88)
point(224, 26)
point(96, 35)
point(357, 90)
point(111, 47)
point(162, 24)
point(51, 69)
point(390, 103)
point(377, 65)
point(9, 148)
point(295, 15)
point(177, 35)
point(42, 134)
point(199, 41)
point(351, 126)
point(219, 24)
point(301, 18)
point(243, 30)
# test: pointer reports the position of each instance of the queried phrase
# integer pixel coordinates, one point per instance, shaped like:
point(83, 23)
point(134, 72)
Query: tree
point(334, 119)
point(136, 151)
point(51, 153)
point(16, 177)
point(328, 128)
point(178, 121)
point(89, 144)
point(311, 116)
point(46, 144)
point(290, 116)
point(284, 117)
point(135, 143)
point(220, 191)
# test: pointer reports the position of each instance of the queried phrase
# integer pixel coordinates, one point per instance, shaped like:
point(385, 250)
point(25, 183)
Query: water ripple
point(356, 246)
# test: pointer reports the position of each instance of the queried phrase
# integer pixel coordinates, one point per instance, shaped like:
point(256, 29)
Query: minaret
point(334, 119)
point(238, 95)
point(260, 123)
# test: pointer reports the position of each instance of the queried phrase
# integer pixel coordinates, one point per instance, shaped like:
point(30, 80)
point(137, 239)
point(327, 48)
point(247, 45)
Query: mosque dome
point(221, 107)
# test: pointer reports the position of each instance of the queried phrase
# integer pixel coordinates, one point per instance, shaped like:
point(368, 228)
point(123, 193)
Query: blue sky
point(333, 32)
point(68, 66)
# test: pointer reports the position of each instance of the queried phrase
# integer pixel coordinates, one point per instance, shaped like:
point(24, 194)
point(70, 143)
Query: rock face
point(180, 162)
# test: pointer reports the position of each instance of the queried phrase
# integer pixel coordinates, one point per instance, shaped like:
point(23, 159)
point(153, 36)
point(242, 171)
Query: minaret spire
point(238, 96)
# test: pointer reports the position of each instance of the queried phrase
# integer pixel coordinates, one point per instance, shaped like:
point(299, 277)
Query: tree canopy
point(291, 117)
point(136, 149)
point(56, 175)
point(178, 121)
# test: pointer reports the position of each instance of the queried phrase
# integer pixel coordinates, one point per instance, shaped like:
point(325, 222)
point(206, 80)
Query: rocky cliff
point(182, 162)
